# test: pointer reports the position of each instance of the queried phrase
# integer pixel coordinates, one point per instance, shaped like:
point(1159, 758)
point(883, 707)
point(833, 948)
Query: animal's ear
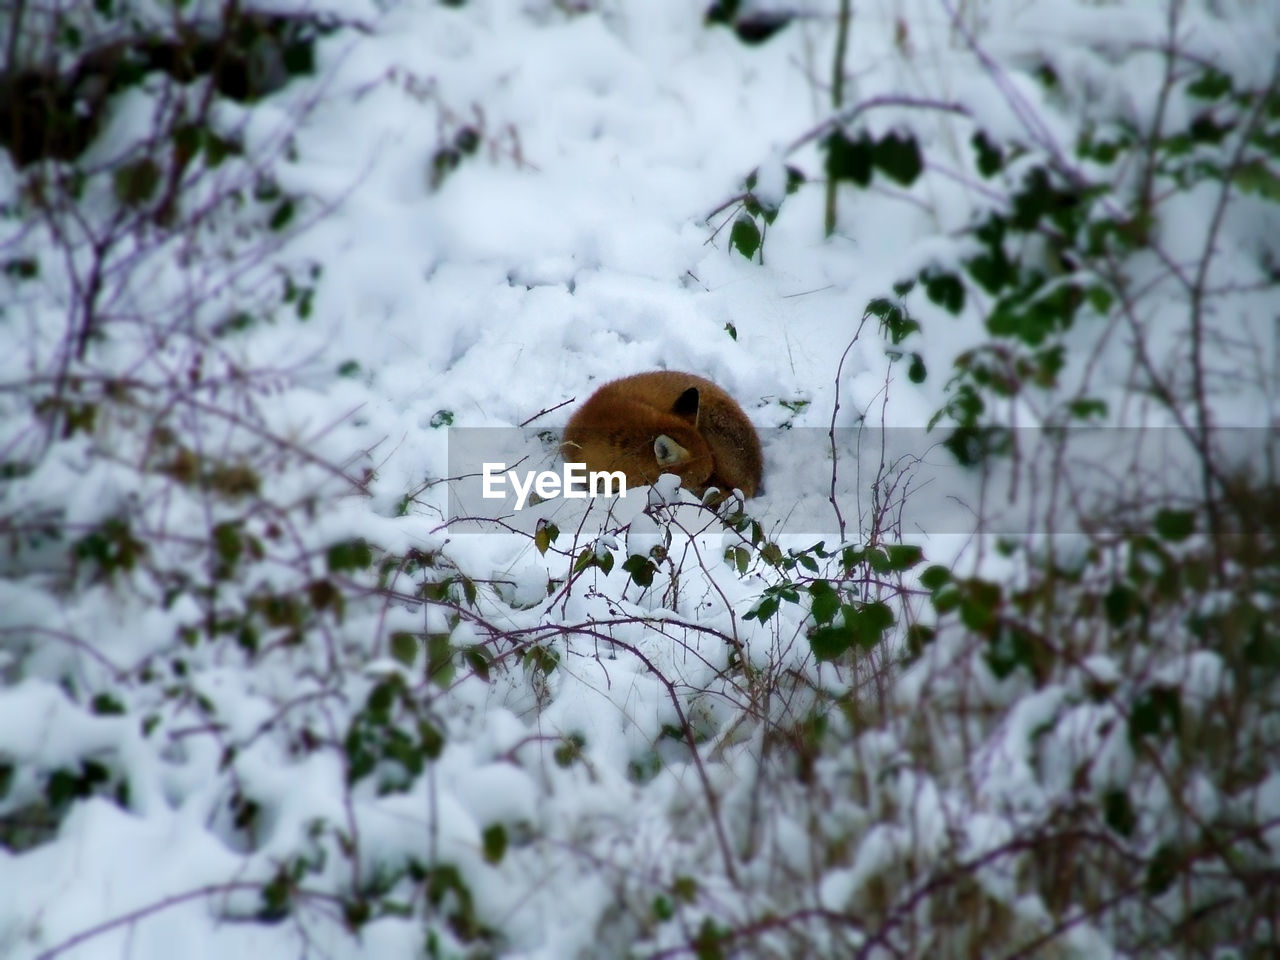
point(686, 406)
point(668, 452)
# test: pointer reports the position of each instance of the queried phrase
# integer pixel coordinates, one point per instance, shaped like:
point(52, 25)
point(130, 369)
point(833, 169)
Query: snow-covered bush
point(262, 691)
point(1091, 751)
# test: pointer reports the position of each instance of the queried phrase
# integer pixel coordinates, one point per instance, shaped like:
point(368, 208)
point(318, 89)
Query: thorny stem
point(1208, 475)
point(831, 431)
point(132, 917)
point(686, 728)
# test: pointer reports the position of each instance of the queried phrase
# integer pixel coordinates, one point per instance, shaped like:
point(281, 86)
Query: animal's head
point(680, 449)
point(644, 446)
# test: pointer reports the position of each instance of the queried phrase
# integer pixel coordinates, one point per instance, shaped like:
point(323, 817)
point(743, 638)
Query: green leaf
point(745, 237)
point(1210, 85)
point(431, 739)
point(22, 268)
point(946, 600)
point(542, 660)
point(1205, 129)
point(478, 661)
point(919, 636)
point(216, 149)
point(880, 307)
point(758, 26)
point(946, 290)
point(356, 913)
point(895, 322)
point(569, 750)
point(404, 647)
point(972, 446)
point(685, 888)
point(903, 556)
point(848, 159)
point(441, 418)
point(1087, 408)
point(545, 535)
point(662, 909)
point(707, 943)
point(989, 157)
point(869, 622)
point(281, 216)
point(1262, 649)
point(1258, 178)
point(979, 605)
point(935, 577)
point(229, 546)
point(898, 156)
point(916, 372)
point(1008, 650)
point(1157, 710)
point(640, 568)
point(1119, 603)
point(381, 698)
point(877, 560)
point(1100, 298)
point(276, 897)
point(494, 840)
point(443, 163)
point(763, 610)
point(722, 11)
point(1034, 199)
point(1163, 869)
point(300, 57)
point(440, 668)
point(830, 642)
point(1174, 525)
point(992, 270)
point(187, 140)
point(349, 555)
point(1118, 812)
point(1103, 151)
point(104, 704)
point(136, 183)
point(826, 602)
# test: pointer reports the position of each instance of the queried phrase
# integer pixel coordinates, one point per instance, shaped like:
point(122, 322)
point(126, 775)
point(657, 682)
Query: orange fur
point(713, 442)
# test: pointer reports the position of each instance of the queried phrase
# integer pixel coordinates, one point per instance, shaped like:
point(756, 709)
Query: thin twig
point(545, 411)
point(831, 430)
point(133, 916)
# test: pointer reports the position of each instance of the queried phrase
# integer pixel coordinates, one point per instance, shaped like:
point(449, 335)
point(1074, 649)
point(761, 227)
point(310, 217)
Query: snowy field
point(263, 694)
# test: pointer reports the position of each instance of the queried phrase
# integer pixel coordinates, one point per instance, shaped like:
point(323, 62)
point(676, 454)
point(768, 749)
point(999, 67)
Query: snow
point(574, 246)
